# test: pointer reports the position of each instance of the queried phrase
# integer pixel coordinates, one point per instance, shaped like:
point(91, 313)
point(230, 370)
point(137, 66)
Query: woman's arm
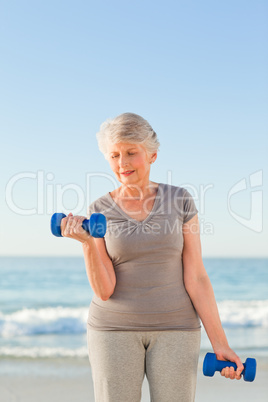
point(199, 288)
point(99, 267)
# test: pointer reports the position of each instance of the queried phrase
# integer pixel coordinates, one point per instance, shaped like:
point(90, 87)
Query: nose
point(123, 161)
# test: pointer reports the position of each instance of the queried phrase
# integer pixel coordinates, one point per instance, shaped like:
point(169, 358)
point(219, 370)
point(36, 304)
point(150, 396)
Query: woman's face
point(130, 163)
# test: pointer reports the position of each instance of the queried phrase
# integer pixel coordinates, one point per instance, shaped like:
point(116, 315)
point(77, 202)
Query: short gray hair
point(130, 128)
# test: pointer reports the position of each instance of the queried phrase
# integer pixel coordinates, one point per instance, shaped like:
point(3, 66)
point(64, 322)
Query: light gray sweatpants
point(120, 359)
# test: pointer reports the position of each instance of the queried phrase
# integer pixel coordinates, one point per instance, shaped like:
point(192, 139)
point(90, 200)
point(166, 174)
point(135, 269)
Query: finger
point(239, 371)
point(70, 222)
point(240, 367)
point(75, 225)
point(72, 225)
point(80, 221)
point(238, 376)
point(232, 373)
point(227, 372)
point(63, 225)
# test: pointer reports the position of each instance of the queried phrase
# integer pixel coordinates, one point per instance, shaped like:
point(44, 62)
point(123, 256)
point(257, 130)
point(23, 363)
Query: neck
point(138, 192)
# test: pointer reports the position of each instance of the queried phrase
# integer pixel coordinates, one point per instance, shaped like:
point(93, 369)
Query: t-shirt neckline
point(148, 217)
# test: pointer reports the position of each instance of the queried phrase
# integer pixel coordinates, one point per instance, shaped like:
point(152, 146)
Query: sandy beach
point(69, 380)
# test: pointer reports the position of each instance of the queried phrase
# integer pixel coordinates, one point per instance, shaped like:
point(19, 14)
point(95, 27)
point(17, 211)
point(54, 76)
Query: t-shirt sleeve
point(189, 207)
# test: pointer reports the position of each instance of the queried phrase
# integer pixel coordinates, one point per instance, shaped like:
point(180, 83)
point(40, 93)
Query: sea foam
point(65, 320)
point(51, 320)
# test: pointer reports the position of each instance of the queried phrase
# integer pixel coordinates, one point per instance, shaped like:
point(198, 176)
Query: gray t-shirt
point(147, 259)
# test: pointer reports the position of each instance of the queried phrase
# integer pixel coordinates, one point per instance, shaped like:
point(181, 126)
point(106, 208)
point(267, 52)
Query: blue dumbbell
point(95, 226)
point(211, 364)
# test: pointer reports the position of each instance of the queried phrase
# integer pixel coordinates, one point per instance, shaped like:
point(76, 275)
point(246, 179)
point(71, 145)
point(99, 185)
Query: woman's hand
point(71, 227)
point(228, 354)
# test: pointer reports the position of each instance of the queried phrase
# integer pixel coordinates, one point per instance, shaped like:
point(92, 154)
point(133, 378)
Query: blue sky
point(197, 71)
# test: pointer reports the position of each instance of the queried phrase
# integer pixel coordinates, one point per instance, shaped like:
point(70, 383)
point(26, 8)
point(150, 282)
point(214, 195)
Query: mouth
point(128, 172)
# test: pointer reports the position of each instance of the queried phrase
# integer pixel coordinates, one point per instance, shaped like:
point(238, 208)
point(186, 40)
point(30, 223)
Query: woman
point(150, 285)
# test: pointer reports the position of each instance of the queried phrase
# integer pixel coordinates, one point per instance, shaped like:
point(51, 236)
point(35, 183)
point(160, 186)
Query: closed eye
point(116, 156)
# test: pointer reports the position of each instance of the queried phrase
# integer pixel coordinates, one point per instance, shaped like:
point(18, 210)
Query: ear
point(153, 157)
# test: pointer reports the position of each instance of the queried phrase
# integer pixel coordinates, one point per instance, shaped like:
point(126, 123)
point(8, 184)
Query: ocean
point(44, 303)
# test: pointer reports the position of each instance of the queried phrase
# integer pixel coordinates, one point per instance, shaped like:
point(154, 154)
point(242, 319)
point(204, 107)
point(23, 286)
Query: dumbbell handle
point(85, 225)
point(221, 364)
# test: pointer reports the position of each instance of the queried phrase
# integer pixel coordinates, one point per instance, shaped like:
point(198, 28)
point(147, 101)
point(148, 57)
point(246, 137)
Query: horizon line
point(81, 256)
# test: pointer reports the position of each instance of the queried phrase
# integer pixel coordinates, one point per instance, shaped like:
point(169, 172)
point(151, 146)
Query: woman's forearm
point(203, 299)
point(101, 281)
